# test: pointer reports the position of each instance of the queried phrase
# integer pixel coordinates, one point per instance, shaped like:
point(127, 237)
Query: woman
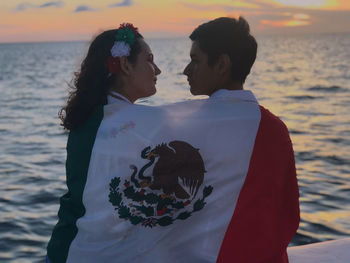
point(110, 67)
point(118, 68)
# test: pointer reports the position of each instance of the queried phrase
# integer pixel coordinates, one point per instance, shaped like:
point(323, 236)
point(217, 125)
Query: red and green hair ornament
point(124, 39)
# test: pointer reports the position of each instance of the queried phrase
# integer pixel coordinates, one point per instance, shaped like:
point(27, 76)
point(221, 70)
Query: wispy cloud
point(265, 16)
point(84, 8)
point(24, 6)
point(52, 3)
point(123, 3)
point(236, 5)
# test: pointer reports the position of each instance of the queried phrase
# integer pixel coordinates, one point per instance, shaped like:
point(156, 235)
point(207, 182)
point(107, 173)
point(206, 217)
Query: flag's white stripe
point(224, 130)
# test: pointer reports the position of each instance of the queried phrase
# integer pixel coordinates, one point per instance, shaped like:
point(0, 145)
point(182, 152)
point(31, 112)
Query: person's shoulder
point(88, 128)
point(272, 121)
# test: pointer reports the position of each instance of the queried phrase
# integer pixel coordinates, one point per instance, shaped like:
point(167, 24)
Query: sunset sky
point(62, 20)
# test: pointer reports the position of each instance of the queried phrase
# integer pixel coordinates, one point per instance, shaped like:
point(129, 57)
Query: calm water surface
point(303, 80)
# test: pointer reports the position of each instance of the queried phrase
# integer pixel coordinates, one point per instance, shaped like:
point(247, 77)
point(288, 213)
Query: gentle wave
point(328, 89)
point(303, 97)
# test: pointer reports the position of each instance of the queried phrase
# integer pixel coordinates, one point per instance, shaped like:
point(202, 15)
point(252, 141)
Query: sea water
point(305, 80)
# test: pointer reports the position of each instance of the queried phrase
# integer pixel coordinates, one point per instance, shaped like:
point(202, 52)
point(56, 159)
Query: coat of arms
point(178, 173)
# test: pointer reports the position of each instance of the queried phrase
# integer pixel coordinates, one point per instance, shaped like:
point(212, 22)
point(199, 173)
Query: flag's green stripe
point(79, 148)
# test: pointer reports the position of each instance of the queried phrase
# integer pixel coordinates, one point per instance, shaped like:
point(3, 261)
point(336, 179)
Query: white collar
point(111, 99)
point(245, 95)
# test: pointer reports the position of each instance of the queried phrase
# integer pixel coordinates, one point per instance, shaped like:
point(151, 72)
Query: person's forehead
point(196, 50)
point(145, 47)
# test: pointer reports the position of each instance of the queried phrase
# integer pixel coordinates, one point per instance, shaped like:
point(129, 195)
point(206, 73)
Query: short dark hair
point(230, 36)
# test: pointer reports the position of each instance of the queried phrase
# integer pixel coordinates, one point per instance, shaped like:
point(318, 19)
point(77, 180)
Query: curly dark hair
point(92, 83)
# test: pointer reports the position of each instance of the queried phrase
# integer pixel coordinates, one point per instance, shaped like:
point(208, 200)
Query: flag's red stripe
point(267, 212)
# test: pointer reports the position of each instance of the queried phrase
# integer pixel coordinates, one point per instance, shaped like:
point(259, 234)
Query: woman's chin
point(148, 94)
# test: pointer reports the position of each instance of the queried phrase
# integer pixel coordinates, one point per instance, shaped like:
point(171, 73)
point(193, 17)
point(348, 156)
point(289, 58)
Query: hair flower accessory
point(126, 35)
point(113, 65)
point(120, 49)
point(124, 39)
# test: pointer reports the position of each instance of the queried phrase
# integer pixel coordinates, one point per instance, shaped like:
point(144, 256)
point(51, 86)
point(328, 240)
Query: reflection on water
point(304, 80)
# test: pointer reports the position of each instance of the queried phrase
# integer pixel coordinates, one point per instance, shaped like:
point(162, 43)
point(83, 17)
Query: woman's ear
point(224, 64)
point(125, 65)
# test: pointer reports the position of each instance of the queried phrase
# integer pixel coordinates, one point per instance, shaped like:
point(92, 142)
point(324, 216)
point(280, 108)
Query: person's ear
point(125, 65)
point(224, 64)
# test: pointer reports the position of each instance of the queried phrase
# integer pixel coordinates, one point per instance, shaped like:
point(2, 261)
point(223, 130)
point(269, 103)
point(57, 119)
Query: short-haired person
point(266, 216)
point(117, 70)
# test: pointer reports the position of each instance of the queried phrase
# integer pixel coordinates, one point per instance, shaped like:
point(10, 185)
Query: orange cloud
point(297, 23)
point(307, 3)
point(314, 4)
point(292, 20)
point(285, 23)
point(301, 16)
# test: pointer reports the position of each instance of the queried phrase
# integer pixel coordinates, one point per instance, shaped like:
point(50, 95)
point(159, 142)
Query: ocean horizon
point(258, 36)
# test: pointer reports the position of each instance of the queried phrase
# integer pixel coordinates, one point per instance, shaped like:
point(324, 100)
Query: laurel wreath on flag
point(157, 204)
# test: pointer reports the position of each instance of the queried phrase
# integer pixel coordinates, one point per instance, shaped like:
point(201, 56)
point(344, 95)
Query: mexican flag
point(198, 181)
